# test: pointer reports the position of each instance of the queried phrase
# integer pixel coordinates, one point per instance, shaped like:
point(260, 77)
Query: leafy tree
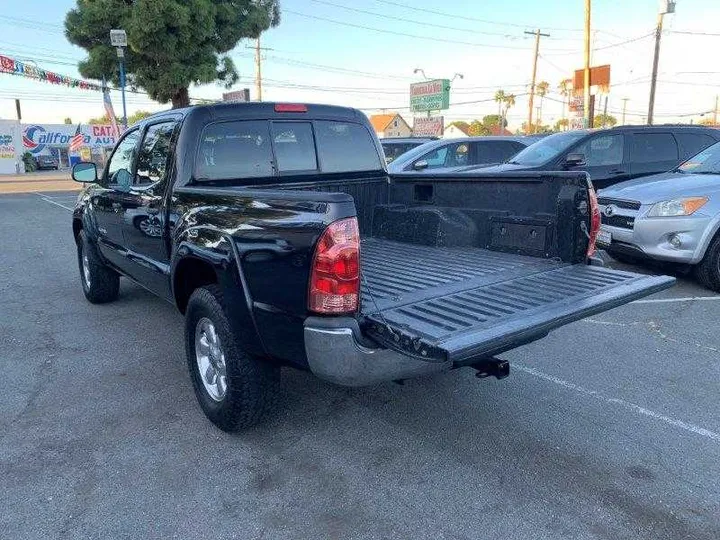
point(137, 116)
point(477, 128)
point(493, 121)
point(604, 120)
point(500, 97)
point(536, 128)
point(562, 124)
point(707, 121)
point(171, 43)
point(105, 119)
point(68, 120)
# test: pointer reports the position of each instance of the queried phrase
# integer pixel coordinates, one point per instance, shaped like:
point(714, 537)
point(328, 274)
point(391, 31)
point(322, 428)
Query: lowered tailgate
point(492, 312)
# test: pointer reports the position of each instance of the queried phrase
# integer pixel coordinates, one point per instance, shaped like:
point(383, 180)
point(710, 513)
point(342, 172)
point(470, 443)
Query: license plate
point(604, 237)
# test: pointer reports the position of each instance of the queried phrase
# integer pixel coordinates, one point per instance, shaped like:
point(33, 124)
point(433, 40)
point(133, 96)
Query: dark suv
point(613, 155)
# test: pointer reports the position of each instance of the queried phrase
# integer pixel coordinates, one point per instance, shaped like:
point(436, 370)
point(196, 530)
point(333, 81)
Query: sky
point(363, 54)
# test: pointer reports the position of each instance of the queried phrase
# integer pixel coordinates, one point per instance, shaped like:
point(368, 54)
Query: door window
point(653, 147)
point(119, 169)
point(450, 155)
point(495, 151)
point(692, 143)
point(154, 154)
point(231, 150)
point(603, 150)
point(294, 146)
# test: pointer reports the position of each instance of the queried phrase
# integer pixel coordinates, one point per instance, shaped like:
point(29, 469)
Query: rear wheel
point(100, 283)
point(708, 271)
point(235, 390)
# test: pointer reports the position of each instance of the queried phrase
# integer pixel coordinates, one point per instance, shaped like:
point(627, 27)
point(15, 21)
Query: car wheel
point(708, 271)
point(99, 283)
point(234, 389)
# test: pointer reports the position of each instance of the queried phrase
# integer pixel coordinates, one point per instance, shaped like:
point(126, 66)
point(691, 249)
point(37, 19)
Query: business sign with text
point(428, 127)
point(430, 95)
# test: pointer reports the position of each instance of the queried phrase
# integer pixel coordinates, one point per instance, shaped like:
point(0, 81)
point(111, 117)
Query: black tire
point(252, 384)
point(708, 271)
point(103, 284)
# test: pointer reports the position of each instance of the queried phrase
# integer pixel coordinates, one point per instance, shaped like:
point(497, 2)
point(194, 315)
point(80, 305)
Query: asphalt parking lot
point(609, 428)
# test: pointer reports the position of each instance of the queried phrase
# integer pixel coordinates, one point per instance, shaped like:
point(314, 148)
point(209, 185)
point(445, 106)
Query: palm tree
point(541, 89)
point(565, 88)
point(509, 101)
point(500, 97)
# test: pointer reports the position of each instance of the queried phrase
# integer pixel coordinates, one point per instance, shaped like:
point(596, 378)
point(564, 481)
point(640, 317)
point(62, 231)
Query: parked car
point(450, 154)
point(44, 162)
point(283, 241)
point(396, 146)
point(613, 155)
point(674, 216)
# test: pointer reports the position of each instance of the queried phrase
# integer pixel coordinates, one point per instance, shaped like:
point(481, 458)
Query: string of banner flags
point(23, 69)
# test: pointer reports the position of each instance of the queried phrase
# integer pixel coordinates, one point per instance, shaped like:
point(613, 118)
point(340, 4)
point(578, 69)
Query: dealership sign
point(428, 127)
point(430, 95)
point(36, 137)
point(7, 146)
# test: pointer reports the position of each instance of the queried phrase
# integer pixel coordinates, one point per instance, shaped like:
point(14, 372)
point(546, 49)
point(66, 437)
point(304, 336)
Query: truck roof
point(265, 110)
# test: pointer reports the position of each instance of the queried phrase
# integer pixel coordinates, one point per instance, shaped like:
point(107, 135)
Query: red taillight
point(290, 107)
point(335, 272)
point(594, 221)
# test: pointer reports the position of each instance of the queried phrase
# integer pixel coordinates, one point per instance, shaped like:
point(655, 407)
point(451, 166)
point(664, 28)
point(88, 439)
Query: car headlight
point(677, 207)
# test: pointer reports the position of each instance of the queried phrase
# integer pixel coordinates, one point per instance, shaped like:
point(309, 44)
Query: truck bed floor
point(465, 303)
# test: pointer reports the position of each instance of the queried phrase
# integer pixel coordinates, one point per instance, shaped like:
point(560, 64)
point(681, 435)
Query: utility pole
point(586, 77)
point(258, 72)
point(624, 100)
point(666, 6)
point(118, 39)
point(537, 35)
point(715, 112)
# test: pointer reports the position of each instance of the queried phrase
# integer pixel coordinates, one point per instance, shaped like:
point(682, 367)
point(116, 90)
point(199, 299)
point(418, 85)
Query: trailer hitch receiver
point(492, 367)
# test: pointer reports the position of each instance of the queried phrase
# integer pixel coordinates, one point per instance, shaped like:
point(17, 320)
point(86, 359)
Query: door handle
point(617, 171)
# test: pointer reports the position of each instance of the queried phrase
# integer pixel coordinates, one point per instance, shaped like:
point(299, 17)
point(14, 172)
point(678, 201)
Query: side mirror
point(420, 164)
point(84, 172)
point(574, 160)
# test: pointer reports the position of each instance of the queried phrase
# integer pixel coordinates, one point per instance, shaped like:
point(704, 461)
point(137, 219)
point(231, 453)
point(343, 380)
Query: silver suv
point(673, 216)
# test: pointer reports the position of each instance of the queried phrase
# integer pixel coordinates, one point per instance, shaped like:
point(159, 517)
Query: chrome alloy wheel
point(210, 359)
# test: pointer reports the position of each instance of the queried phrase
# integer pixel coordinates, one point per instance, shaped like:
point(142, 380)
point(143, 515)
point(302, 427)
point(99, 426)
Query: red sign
point(428, 127)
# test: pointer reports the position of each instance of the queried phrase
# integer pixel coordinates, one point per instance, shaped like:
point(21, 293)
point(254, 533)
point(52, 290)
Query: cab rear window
point(259, 148)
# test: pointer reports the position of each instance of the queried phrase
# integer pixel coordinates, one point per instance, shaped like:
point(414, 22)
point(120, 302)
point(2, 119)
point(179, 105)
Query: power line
point(691, 33)
point(406, 20)
point(414, 36)
point(468, 18)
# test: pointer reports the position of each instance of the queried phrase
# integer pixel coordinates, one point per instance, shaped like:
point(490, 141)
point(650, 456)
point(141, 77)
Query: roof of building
point(380, 122)
point(465, 131)
point(495, 130)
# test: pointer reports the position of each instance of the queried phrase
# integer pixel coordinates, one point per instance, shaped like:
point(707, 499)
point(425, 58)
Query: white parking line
point(681, 299)
point(48, 200)
point(621, 402)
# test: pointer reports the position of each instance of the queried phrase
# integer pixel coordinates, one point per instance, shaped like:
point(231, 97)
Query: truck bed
point(466, 303)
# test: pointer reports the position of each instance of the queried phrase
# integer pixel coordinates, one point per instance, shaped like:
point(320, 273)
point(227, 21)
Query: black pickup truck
point(277, 231)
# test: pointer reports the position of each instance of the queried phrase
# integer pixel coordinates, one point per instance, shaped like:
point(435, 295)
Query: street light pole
point(668, 6)
point(118, 39)
point(586, 74)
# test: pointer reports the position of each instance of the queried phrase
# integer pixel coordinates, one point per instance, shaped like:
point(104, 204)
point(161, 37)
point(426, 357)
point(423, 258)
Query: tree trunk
point(181, 99)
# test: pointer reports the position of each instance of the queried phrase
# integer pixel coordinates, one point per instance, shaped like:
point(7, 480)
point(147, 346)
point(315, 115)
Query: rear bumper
point(338, 353)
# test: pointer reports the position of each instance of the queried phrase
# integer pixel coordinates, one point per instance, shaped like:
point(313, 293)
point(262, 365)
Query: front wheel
point(234, 389)
point(708, 271)
point(99, 283)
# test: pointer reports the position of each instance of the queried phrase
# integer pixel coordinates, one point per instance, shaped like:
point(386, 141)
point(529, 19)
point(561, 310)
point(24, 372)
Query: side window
point(435, 158)
point(603, 150)
point(652, 147)
point(347, 147)
point(458, 155)
point(495, 151)
point(692, 143)
point(119, 168)
point(294, 146)
point(154, 154)
point(235, 150)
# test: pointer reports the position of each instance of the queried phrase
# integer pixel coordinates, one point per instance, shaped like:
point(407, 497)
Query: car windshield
point(706, 162)
point(547, 148)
